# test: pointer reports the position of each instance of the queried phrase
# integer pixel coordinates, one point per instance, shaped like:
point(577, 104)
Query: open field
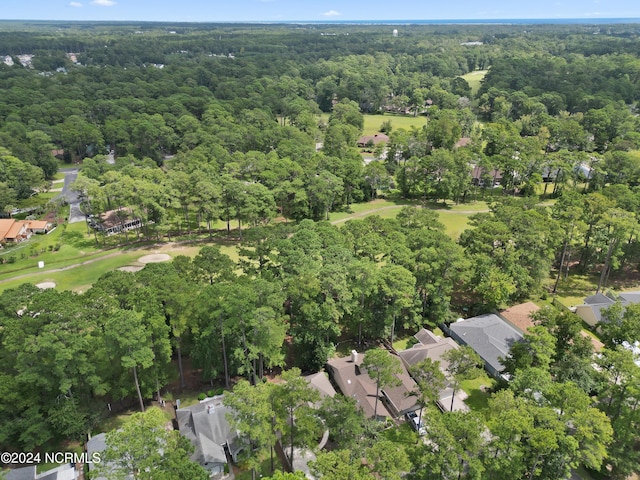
point(372, 123)
point(474, 79)
point(454, 217)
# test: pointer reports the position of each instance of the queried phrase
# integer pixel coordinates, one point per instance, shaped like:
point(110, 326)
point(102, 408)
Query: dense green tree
point(383, 368)
point(462, 365)
point(296, 420)
point(253, 418)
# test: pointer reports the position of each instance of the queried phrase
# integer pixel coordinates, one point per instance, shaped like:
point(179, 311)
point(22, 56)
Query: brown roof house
point(14, 231)
point(370, 140)
point(19, 230)
point(353, 381)
point(519, 316)
point(434, 347)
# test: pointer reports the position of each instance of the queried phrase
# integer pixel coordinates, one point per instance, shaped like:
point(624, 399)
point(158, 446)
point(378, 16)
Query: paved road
point(75, 214)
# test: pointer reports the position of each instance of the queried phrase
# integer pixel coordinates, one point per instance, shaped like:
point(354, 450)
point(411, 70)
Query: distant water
point(495, 21)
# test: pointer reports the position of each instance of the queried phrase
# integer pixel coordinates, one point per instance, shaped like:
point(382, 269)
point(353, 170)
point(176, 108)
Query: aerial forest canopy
point(267, 129)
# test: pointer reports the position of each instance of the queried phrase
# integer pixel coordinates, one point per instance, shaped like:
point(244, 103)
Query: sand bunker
point(131, 269)
point(45, 285)
point(154, 258)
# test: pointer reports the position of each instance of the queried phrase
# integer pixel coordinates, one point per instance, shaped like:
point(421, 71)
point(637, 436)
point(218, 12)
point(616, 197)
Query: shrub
point(211, 393)
point(202, 396)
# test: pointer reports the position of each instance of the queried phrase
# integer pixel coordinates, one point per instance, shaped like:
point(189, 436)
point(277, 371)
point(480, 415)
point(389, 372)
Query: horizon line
point(537, 20)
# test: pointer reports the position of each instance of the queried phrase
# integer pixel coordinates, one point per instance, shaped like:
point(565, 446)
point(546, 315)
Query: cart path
point(99, 258)
point(63, 269)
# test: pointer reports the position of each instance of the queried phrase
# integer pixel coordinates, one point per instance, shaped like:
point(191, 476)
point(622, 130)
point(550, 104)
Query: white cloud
point(75, 4)
point(331, 13)
point(103, 3)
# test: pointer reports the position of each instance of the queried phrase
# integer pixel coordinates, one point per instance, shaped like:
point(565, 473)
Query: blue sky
point(316, 10)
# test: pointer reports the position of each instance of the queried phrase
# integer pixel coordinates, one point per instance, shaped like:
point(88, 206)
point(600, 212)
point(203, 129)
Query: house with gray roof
point(593, 307)
point(206, 426)
point(434, 347)
point(489, 336)
point(62, 472)
point(98, 444)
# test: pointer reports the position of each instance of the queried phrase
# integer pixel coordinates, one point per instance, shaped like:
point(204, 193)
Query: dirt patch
point(46, 285)
point(131, 268)
point(154, 258)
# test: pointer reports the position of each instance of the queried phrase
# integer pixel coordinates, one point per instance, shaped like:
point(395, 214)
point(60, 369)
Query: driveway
point(75, 214)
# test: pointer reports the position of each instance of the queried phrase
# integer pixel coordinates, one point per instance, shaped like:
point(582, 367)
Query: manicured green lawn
point(402, 433)
point(376, 207)
point(73, 242)
point(455, 217)
point(474, 79)
point(454, 223)
point(478, 399)
point(372, 123)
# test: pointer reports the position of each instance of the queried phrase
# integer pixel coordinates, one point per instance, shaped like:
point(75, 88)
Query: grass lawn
point(41, 199)
point(73, 242)
point(402, 433)
point(454, 223)
point(573, 290)
point(372, 123)
point(474, 79)
point(375, 207)
point(478, 399)
point(455, 217)
point(263, 471)
point(401, 343)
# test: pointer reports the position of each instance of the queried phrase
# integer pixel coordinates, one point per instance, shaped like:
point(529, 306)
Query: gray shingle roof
point(24, 473)
point(489, 336)
point(206, 426)
point(600, 302)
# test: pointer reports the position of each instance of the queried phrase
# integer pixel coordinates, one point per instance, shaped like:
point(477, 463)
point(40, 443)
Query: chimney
point(354, 356)
point(210, 408)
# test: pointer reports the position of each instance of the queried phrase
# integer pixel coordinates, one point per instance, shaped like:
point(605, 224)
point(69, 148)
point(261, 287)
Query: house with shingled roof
point(353, 381)
point(489, 336)
point(594, 306)
point(205, 424)
point(434, 347)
